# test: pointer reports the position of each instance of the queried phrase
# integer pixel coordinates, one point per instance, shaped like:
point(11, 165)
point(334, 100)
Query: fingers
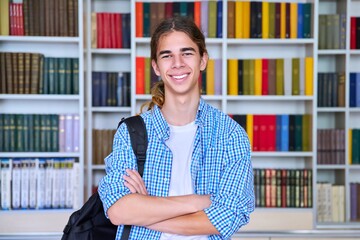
point(134, 182)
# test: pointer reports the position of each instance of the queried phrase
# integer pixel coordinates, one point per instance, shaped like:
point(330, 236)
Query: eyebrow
point(181, 50)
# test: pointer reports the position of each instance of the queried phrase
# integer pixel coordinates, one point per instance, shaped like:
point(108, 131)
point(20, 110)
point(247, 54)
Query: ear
point(203, 61)
point(155, 67)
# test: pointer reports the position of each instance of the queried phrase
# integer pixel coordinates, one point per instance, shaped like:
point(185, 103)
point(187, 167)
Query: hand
point(134, 182)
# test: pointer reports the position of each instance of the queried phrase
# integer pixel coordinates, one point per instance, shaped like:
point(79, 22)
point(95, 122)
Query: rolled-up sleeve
point(234, 201)
point(111, 186)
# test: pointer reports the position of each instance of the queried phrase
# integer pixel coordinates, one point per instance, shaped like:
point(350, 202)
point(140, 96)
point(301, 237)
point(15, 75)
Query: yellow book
point(250, 127)
point(4, 18)
point(246, 19)
point(212, 19)
point(293, 19)
point(93, 31)
point(265, 19)
point(210, 77)
point(239, 21)
point(147, 75)
point(350, 146)
point(309, 76)
point(232, 77)
point(283, 20)
point(258, 77)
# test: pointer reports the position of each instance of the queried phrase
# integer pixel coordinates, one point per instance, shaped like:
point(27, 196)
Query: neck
point(180, 111)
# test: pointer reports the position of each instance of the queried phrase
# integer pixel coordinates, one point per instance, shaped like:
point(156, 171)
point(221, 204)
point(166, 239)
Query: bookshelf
point(104, 59)
point(22, 104)
point(223, 47)
point(338, 116)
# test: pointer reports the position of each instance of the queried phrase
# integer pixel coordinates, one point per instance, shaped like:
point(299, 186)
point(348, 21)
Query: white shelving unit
point(50, 220)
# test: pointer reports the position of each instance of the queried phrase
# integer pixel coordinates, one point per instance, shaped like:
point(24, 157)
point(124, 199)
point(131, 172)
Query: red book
point(263, 132)
point(12, 19)
point(271, 139)
point(265, 79)
point(119, 30)
point(353, 33)
point(107, 28)
point(256, 132)
point(197, 13)
point(21, 19)
point(114, 28)
point(139, 15)
point(168, 9)
point(267, 187)
point(99, 30)
point(140, 75)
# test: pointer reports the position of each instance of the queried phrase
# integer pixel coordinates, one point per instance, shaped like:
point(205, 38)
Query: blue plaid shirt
point(221, 167)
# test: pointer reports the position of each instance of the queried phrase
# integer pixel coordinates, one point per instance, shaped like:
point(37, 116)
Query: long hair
point(180, 24)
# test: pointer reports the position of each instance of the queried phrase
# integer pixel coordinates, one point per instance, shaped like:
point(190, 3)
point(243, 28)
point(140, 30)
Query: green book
point(75, 76)
point(36, 130)
point(42, 128)
point(251, 79)
point(246, 77)
point(68, 76)
point(279, 76)
point(307, 9)
point(272, 19)
point(2, 133)
point(322, 32)
point(54, 131)
point(29, 122)
point(306, 133)
point(146, 23)
point(52, 63)
point(61, 76)
point(47, 129)
point(19, 120)
point(295, 78)
point(147, 75)
point(212, 19)
point(45, 79)
point(356, 146)
point(12, 132)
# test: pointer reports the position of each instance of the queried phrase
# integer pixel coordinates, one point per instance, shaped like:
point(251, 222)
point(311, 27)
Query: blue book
point(300, 21)
point(126, 30)
point(96, 89)
point(353, 92)
point(358, 89)
point(285, 133)
point(219, 24)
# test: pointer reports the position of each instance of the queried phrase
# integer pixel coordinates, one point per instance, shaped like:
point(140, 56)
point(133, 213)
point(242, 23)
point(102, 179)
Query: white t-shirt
point(181, 144)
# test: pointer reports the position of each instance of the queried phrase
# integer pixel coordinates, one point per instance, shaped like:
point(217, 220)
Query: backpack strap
point(138, 136)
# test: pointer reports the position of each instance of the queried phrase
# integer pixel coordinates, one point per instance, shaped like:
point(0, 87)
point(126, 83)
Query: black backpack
point(89, 222)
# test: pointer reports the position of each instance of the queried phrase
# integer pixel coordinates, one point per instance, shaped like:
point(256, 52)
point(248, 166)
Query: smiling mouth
point(179, 77)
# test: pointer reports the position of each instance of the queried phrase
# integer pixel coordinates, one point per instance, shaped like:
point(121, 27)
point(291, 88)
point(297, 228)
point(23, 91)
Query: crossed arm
point(178, 215)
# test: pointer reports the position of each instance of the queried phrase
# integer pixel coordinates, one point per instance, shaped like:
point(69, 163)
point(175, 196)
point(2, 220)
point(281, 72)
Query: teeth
point(179, 77)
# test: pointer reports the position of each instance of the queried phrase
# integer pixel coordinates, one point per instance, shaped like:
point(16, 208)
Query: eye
point(188, 54)
point(165, 56)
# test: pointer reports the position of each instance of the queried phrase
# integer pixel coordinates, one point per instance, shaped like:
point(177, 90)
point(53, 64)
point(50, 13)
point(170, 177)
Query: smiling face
point(179, 63)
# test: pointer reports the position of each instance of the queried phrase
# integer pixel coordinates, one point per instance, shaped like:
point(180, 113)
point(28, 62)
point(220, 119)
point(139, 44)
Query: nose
point(178, 61)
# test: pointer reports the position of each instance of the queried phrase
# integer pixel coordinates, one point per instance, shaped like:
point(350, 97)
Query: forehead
point(174, 41)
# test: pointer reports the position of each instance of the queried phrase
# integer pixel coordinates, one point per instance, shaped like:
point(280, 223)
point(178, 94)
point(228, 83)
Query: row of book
point(39, 183)
point(263, 19)
point(39, 18)
point(39, 133)
point(283, 188)
point(104, 138)
point(206, 14)
point(285, 132)
point(111, 89)
point(289, 76)
point(331, 146)
point(330, 202)
point(110, 30)
point(331, 89)
point(33, 73)
point(354, 88)
point(354, 146)
point(355, 201)
point(354, 32)
point(332, 31)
